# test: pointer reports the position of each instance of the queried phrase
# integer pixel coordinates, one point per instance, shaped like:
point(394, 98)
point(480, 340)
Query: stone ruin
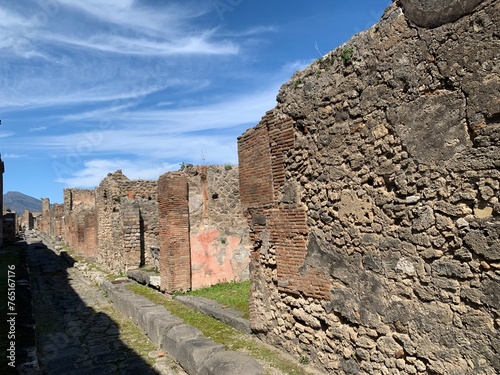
point(2, 170)
point(372, 194)
point(9, 220)
point(123, 223)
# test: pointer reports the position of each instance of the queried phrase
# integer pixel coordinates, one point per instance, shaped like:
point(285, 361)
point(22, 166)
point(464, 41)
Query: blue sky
point(89, 87)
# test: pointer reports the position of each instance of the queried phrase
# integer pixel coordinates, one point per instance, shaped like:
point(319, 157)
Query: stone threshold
point(209, 307)
point(206, 306)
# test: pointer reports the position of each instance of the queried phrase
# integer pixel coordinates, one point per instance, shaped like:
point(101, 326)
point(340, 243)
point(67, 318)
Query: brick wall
point(376, 229)
point(173, 208)
point(256, 187)
point(277, 218)
point(108, 204)
point(80, 221)
point(145, 193)
point(131, 232)
point(57, 226)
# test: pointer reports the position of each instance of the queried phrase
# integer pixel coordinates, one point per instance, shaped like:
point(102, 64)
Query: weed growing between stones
point(346, 55)
point(230, 294)
point(270, 358)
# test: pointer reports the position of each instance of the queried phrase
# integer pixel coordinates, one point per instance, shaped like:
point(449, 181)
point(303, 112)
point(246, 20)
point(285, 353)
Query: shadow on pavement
point(73, 338)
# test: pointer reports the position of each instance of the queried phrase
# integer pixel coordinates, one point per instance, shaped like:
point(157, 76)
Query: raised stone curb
point(230, 363)
point(209, 307)
point(185, 343)
point(145, 277)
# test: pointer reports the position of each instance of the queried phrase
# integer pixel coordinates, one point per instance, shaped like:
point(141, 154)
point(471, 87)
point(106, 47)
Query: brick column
point(173, 220)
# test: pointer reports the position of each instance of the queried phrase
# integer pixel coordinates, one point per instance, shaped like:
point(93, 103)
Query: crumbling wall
point(2, 170)
point(372, 192)
point(119, 223)
point(145, 194)
point(44, 220)
point(57, 227)
point(127, 216)
point(80, 221)
point(109, 236)
point(27, 220)
point(220, 246)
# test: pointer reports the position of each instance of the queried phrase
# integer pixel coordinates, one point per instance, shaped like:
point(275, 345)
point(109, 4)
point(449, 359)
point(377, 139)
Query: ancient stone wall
point(80, 221)
point(220, 246)
point(57, 224)
point(44, 220)
point(2, 170)
point(205, 236)
point(9, 224)
point(27, 220)
point(145, 194)
point(372, 192)
point(127, 216)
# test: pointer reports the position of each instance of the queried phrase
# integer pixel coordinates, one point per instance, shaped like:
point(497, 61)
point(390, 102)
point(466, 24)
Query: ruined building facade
point(372, 194)
point(122, 223)
point(203, 227)
point(2, 170)
point(127, 217)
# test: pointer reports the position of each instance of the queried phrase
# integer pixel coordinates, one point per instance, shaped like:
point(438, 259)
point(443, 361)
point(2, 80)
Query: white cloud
point(293, 66)
point(6, 134)
point(37, 129)
point(228, 113)
point(127, 13)
point(12, 156)
point(92, 51)
point(198, 44)
point(94, 171)
point(251, 31)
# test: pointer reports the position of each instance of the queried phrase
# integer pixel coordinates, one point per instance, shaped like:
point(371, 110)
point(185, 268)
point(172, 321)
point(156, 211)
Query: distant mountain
point(19, 202)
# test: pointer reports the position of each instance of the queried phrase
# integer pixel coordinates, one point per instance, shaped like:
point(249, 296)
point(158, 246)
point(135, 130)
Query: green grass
point(131, 335)
point(223, 334)
point(230, 294)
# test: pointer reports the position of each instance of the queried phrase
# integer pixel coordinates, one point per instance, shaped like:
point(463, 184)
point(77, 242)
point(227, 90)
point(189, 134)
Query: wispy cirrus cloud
point(6, 134)
point(174, 133)
point(229, 112)
point(95, 170)
point(190, 45)
point(91, 52)
point(9, 155)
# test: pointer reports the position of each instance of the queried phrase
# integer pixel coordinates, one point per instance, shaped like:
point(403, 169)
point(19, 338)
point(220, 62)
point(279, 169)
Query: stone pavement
point(75, 334)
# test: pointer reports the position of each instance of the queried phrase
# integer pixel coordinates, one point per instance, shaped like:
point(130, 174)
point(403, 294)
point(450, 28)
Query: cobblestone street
point(79, 331)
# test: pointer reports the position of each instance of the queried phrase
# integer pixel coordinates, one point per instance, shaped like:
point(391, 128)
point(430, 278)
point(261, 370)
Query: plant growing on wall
point(346, 55)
